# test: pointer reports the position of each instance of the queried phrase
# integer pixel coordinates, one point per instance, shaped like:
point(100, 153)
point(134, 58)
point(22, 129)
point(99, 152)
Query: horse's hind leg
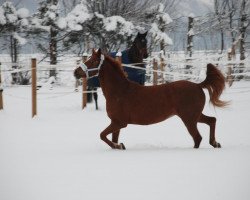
point(192, 129)
point(211, 121)
point(115, 136)
point(112, 128)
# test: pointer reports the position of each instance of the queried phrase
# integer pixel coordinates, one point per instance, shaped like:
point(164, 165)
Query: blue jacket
point(136, 75)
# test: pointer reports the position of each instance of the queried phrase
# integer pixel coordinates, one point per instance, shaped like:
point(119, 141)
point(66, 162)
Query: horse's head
point(91, 67)
point(140, 43)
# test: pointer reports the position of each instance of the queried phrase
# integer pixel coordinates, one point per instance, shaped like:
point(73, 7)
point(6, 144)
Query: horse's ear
point(99, 52)
point(93, 51)
point(142, 34)
point(145, 34)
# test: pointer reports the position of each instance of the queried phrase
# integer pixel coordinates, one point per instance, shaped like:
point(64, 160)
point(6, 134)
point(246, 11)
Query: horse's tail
point(215, 84)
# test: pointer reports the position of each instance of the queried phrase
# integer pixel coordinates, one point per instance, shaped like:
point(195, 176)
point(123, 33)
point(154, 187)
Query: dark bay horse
point(134, 54)
point(130, 103)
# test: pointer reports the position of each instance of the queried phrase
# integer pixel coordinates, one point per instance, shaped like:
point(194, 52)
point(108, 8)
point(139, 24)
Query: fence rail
point(158, 67)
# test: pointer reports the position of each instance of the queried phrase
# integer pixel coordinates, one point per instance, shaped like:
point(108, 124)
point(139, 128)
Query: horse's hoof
point(120, 146)
point(216, 144)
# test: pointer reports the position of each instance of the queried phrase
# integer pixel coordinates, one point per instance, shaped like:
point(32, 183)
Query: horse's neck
point(112, 79)
point(134, 54)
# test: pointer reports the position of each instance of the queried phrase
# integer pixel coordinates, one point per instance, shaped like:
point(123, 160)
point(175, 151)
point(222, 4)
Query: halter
point(86, 70)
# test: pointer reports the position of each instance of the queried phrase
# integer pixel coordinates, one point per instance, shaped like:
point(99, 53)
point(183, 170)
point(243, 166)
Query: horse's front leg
point(112, 128)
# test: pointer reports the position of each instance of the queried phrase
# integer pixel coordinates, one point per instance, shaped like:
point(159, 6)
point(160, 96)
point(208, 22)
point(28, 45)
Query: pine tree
point(13, 24)
point(158, 20)
point(45, 27)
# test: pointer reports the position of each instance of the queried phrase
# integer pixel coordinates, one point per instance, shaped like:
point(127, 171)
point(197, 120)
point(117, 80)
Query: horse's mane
point(115, 64)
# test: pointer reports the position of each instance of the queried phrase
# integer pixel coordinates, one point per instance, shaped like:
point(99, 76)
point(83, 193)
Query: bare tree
point(219, 12)
point(190, 36)
point(244, 23)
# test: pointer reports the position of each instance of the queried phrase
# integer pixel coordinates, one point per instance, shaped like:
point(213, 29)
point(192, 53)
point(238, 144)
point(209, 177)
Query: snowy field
point(58, 154)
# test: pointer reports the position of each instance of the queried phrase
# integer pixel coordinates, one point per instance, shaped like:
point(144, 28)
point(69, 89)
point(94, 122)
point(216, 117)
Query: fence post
point(33, 87)
point(1, 91)
point(162, 68)
point(155, 74)
point(77, 83)
point(84, 85)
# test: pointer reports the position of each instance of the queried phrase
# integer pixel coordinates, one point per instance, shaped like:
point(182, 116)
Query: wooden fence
point(158, 65)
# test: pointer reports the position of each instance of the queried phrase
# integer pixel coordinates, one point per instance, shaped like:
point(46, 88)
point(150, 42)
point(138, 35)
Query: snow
point(159, 36)
point(62, 23)
point(2, 17)
point(160, 13)
point(190, 32)
point(24, 22)
point(37, 23)
point(52, 13)
point(85, 54)
point(159, 24)
point(23, 13)
point(10, 12)
point(11, 18)
point(166, 18)
point(76, 17)
point(59, 155)
point(20, 40)
point(120, 24)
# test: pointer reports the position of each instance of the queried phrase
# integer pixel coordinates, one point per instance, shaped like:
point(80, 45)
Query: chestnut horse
point(128, 102)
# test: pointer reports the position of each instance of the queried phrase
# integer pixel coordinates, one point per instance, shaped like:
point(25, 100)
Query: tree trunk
point(231, 28)
point(243, 27)
point(53, 50)
point(14, 57)
point(222, 41)
point(190, 36)
point(218, 12)
point(53, 44)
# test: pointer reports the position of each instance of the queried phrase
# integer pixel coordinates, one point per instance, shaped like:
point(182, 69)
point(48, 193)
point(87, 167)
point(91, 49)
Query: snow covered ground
point(58, 154)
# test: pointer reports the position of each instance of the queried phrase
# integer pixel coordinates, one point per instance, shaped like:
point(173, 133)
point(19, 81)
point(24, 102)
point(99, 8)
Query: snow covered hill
point(58, 154)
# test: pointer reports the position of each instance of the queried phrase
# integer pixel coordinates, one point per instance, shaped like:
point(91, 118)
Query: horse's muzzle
point(76, 75)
